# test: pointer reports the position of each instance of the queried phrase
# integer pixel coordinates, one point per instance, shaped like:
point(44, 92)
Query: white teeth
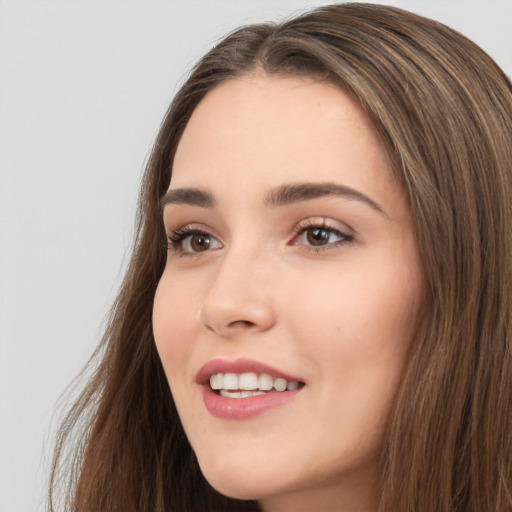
point(280, 384)
point(248, 384)
point(292, 385)
point(230, 381)
point(216, 381)
point(248, 381)
point(230, 394)
point(239, 394)
point(265, 382)
point(246, 394)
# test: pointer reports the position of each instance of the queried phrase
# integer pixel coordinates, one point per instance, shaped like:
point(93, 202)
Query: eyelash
point(303, 227)
point(176, 238)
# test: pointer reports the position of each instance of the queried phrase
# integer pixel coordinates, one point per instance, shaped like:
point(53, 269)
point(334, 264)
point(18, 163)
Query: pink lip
point(241, 365)
point(242, 408)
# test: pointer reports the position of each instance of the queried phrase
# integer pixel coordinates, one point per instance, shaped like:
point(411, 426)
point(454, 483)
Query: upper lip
point(241, 365)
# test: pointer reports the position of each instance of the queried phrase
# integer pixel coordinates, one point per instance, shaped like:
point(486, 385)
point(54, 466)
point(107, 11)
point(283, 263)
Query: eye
point(320, 236)
point(188, 241)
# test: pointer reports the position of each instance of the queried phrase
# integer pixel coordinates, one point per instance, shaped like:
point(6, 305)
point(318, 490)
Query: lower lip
point(244, 408)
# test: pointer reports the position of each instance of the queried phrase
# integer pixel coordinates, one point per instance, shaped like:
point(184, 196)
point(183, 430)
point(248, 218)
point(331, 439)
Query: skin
point(341, 315)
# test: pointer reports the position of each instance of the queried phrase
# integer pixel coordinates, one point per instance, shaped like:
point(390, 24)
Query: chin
point(238, 480)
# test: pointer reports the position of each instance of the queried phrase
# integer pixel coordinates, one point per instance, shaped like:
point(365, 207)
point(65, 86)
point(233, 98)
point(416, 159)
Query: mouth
point(245, 388)
point(245, 385)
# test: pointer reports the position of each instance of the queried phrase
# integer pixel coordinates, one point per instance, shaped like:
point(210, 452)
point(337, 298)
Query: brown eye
point(318, 236)
point(188, 241)
point(198, 242)
point(321, 237)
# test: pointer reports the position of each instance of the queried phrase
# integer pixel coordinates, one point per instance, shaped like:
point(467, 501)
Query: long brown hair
point(443, 110)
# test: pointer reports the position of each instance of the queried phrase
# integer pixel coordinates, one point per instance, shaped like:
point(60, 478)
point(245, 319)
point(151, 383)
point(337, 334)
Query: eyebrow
point(190, 196)
point(280, 196)
point(297, 192)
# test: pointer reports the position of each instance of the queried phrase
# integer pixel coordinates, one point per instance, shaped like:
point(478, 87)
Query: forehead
point(257, 132)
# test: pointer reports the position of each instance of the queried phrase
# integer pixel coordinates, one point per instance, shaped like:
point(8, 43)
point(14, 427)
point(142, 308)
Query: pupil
point(200, 242)
point(318, 236)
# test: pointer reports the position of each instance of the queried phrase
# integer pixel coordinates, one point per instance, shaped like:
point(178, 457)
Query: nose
point(239, 298)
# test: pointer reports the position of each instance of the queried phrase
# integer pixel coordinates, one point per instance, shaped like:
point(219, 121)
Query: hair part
point(443, 110)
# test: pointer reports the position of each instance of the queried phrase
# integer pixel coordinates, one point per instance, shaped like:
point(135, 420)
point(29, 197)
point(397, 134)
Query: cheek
point(355, 301)
point(173, 310)
point(358, 324)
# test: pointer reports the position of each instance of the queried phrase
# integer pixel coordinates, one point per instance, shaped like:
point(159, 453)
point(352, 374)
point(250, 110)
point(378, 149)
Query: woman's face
point(291, 265)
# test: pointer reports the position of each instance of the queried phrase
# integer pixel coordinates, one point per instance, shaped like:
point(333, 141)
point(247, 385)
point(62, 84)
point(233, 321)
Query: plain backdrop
point(83, 87)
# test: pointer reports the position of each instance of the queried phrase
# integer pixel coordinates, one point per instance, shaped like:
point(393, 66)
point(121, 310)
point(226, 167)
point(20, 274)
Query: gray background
point(83, 87)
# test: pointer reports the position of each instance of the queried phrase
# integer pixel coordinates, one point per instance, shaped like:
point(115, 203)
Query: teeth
point(265, 382)
point(292, 385)
point(216, 381)
point(248, 381)
point(280, 384)
point(248, 384)
point(240, 394)
point(230, 381)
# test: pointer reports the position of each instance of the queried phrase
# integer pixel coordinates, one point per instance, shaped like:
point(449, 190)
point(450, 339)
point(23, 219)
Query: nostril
point(241, 323)
point(228, 315)
point(235, 325)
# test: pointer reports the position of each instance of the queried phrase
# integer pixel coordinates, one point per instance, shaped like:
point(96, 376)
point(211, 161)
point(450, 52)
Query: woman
point(317, 311)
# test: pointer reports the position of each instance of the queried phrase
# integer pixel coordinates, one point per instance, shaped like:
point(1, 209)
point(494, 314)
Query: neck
point(354, 495)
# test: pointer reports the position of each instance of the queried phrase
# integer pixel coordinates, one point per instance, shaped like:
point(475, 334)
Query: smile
point(244, 385)
point(244, 388)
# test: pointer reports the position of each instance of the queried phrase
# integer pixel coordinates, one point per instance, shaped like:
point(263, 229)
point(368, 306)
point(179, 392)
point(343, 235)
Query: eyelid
point(327, 223)
point(176, 227)
point(177, 236)
point(346, 234)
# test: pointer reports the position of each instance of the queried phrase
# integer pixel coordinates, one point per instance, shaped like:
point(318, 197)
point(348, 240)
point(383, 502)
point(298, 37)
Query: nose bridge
point(239, 295)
